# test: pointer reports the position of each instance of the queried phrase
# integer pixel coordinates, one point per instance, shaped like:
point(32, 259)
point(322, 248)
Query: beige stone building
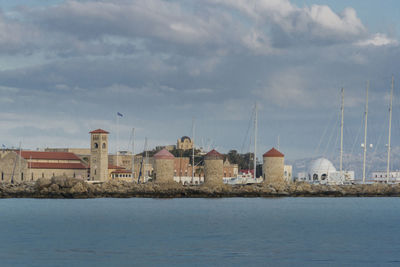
point(20, 166)
point(213, 168)
point(164, 167)
point(99, 155)
point(184, 143)
point(83, 153)
point(124, 159)
point(273, 166)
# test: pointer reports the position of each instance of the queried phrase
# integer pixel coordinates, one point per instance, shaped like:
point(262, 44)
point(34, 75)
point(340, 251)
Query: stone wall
point(213, 171)
point(273, 170)
point(164, 170)
point(99, 157)
point(12, 163)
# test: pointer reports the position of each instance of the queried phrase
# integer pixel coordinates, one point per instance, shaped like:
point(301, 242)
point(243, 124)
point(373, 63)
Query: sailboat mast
point(341, 135)
point(390, 131)
point(133, 154)
point(255, 142)
point(365, 132)
point(192, 151)
point(146, 160)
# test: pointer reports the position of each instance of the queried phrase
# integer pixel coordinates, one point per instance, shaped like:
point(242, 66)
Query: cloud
point(161, 63)
point(378, 39)
point(288, 24)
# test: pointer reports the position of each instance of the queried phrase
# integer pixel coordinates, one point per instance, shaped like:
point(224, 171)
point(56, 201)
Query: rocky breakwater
point(63, 187)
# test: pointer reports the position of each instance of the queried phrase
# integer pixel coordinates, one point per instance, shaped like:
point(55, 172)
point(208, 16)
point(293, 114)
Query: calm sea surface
point(237, 231)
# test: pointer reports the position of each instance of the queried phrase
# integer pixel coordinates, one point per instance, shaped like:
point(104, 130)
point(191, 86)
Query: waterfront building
point(124, 159)
point(83, 153)
point(288, 173)
point(163, 167)
point(381, 177)
point(99, 155)
point(322, 171)
point(21, 166)
point(273, 166)
point(213, 168)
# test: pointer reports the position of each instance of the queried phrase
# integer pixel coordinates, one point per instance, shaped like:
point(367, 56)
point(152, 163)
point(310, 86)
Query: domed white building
point(322, 171)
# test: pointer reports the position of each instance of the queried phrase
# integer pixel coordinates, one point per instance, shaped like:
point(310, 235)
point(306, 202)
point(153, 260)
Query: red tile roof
point(100, 131)
point(45, 165)
point(273, 153)
point(214, 154)
point(163, 154)
point(47, 155)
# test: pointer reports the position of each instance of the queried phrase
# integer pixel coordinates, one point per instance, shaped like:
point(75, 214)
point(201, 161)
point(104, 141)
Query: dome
point(321, 165)
point(185, 137)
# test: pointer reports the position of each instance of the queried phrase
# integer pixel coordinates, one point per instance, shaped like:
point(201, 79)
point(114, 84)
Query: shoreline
point(70, 188)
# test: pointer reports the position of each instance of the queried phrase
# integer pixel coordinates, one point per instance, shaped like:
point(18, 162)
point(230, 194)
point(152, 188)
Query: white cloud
point(378, 39)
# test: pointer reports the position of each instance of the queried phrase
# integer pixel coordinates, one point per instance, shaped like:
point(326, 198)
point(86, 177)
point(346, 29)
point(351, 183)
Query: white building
point(381, 177)
point(322, 171)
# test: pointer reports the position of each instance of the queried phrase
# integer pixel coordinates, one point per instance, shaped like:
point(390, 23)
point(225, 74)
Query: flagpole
point(117, 139)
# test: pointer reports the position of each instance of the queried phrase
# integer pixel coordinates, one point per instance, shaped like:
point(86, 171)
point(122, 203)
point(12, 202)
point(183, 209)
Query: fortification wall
point(273, 170)
point(213, 171)
point(164, 170)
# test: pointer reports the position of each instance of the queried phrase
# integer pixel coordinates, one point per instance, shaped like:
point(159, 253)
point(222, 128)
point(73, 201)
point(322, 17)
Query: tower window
point(22, 176)
point(104, 145)
point(96, 145)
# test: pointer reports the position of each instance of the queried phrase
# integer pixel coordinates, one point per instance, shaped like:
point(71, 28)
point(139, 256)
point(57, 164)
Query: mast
point(341, 135)
point(279, 143)
point(133, 154)
point(192, 150)
point(390, 131)
point(255, 142)
point(117, 164)
point(365, 132)
point(19, 161)
point(146, 161)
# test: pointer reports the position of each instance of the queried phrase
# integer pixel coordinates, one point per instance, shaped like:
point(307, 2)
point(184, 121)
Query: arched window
point(104, 145)
point(96, 145)
point(315, 176)
point(323, 176)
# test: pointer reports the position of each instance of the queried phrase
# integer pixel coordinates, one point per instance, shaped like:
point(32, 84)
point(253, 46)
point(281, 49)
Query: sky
point(68, 67)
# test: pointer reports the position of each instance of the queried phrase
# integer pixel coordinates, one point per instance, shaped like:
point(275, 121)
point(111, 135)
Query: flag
point(119, 114)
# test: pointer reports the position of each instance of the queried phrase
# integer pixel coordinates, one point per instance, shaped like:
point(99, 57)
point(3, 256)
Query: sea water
point(198, 232)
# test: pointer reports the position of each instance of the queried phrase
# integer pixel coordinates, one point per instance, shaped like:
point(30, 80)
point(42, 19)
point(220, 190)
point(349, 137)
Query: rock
point(42, 182)
point(65, 182)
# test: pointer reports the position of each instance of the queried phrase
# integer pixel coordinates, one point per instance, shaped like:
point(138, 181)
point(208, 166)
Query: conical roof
point(214, 154)
point(273, 153)
point(163, 154)
point(99, 131)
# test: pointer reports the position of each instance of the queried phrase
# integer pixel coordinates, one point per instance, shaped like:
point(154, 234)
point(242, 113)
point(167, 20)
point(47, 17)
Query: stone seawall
point(75, 188)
